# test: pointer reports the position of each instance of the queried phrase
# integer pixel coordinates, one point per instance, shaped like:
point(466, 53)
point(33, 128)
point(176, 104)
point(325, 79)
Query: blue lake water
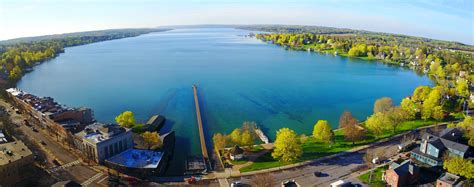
point(238, 78)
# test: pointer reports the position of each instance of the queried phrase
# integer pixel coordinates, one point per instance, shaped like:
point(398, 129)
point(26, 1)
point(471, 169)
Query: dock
point(205, 155)
point(261, 135)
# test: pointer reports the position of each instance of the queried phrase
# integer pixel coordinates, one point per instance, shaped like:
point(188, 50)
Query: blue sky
point(446, 20)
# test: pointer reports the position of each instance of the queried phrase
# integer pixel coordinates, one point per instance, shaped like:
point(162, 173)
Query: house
point(101, 141)
point(449, 180)
point(236, 153)
point(401, 174)
point(433, 147)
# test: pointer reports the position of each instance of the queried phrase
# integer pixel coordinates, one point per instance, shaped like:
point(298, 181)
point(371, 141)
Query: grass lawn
point(313, 149)
point(376, 180)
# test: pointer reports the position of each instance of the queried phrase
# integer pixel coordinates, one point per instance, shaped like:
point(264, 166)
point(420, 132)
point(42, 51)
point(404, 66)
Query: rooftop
point(137, 158)
point(13, 151)
point(98, 132)
point(449, 178)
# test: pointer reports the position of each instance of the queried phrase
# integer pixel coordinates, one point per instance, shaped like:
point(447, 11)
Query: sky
point(451, 20)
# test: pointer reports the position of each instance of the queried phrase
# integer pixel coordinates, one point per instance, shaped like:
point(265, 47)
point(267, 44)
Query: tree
point(409, 107)
point(421, 93)
point(15, 73)
point(236, 136)
point(152, 139)
point(396, 115)
point(247, 138)
point(126, 119)
point(467, 125)
point(353, 133)
point(430, 103)
point(219, 141)
point(287, 145)
point(376, 123)
point(459, 166)
point(383, 104)
point(368, 159)
point(347, 119)
point(322, 131)
point(462, 88)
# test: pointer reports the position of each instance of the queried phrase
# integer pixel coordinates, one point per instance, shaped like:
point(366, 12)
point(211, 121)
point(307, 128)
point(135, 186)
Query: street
point(338, 168)
point(71, 167)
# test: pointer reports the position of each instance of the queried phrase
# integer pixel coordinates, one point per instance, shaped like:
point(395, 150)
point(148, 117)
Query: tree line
point(19, 55)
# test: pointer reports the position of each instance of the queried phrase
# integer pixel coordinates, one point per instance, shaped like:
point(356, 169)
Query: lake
point(238, 78)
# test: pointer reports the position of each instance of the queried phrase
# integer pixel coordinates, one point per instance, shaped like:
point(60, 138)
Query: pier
point(201, 129)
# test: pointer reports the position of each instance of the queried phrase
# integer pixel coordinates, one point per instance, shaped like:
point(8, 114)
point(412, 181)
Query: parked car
point(290, 183)
point(237, 184)
point(43, 143)
point(318, 174)
point(34, 129)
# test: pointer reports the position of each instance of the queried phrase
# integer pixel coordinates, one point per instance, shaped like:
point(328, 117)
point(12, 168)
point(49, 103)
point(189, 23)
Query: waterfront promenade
point(201, 130)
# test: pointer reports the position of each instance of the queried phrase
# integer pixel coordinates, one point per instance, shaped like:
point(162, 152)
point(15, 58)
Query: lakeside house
point(433, 147)
point(101, 141)
point(401, 174)
point(236, 153)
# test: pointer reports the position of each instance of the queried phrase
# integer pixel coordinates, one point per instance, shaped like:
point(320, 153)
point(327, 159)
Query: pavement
point(71, 166)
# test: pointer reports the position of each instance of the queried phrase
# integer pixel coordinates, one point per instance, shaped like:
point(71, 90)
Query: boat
point(261, 135)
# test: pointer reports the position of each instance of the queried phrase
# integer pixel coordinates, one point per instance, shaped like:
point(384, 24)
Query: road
point(342, 167)
point(72, 168)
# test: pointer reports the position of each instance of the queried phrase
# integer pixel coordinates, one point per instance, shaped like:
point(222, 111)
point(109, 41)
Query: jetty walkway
point(201, 130)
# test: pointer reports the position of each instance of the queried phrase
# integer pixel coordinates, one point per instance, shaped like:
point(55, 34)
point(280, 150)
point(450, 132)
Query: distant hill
point(109, 32)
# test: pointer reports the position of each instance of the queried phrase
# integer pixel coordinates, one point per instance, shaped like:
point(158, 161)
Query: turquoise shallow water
point(238, 79)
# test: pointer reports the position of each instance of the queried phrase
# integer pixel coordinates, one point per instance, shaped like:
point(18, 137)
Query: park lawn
point(313, 149)
point(238, 162)
point(376, 180)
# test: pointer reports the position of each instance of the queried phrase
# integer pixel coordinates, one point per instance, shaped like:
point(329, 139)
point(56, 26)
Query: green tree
point(395, 116)
point(247, 138)
point(430, 104)
point(377, 123)
point(383, 104)
point(152, 140)
point(126, 119)
point(409, 107)
point(421, 93)
point(459, 166)
point(287, 145)
point(322, 131)
point(236, 136)
point(15, 73)
point(467, 125)
point(462, 88)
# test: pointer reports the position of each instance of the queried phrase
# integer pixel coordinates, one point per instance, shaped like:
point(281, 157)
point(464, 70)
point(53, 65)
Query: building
point(49, 114)
point(143, 162)
point(449, 180)
point(137, 162)
point(401, 174)
point(154, 124)
point(236, 153)
point(15, 161)
point(433, 147)
point(101, 141)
